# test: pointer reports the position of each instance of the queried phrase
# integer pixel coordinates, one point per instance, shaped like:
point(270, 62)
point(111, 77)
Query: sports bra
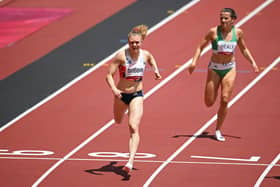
point(220, 46)
point(133, 70)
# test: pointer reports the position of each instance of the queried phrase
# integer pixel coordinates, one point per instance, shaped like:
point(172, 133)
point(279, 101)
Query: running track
point(173, 115)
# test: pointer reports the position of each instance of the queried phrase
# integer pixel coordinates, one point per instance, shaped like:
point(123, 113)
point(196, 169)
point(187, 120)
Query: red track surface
point(172, 115)
point(57, 33)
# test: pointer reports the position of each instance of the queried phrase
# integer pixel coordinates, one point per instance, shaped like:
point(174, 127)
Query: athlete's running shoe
point(219, 136)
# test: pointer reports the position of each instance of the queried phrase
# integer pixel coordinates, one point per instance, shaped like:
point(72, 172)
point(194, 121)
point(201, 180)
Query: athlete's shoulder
point(211, 34)
point(213, 29)
point(147, 55)
point(238, 31)
point(120, 57)
point(146, 52)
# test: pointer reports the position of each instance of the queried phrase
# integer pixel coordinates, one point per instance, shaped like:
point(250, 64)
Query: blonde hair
point(139, 30)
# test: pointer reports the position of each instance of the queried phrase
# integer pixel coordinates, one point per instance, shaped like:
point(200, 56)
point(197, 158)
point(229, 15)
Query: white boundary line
point(207, 124)
point(265, 172)
point(110, 123)
point(141, 161)
point(251, 159)
point(99, 64)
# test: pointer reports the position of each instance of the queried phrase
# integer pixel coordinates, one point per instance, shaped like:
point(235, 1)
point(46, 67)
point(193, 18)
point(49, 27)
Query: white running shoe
point(219, 136)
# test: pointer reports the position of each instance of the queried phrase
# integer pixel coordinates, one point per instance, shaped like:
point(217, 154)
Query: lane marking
point(251, 159)
point(26, 152)
point(266, 171)
point(110, 123)
point(99, 64)
point(118, 154)
point(140, 161)
point(175, 73)
point(93, 154)
point(205, 126)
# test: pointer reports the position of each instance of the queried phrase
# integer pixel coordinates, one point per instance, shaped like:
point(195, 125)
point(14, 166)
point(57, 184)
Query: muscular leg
point(134, 117)
point(226, 92)
point(119, 109)
point(211, 88)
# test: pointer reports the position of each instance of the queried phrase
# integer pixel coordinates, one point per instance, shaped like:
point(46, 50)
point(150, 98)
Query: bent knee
point(209, 103)
point(225, 99)
point(133, 129)
point(118, 120)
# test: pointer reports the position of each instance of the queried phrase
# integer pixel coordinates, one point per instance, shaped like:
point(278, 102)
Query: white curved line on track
point(266, 171)
point(110, 123)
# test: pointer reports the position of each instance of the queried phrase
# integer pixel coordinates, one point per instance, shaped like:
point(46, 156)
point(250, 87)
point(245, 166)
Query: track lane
point(121, 131)
point(247, 140)
point(64, 119)
point(267, 171)
point(124, 130)
point(243, 141)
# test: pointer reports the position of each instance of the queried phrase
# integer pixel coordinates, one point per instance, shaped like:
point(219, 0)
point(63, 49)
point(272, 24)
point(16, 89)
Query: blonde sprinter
point(128, 93)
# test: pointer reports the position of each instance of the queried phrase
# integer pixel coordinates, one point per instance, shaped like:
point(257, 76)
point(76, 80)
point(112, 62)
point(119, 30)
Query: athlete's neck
point(226, 29)
point(134, 53)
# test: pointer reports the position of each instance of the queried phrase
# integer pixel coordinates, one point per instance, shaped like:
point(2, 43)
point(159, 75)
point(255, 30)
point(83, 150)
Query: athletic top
point(133, 70)
point(220, 46)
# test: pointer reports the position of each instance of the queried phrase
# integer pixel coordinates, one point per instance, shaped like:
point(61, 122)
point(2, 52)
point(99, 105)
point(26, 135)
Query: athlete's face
point(226, 20)
point(134, 42)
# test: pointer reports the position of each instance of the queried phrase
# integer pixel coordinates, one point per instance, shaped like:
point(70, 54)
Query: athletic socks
point(219, 136)
point(128, 167)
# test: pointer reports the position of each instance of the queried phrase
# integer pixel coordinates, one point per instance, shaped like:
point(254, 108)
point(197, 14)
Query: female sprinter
point(222, 68)
point(128, 92)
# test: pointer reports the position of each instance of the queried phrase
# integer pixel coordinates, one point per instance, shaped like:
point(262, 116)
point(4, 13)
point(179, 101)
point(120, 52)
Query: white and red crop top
point(133, 70)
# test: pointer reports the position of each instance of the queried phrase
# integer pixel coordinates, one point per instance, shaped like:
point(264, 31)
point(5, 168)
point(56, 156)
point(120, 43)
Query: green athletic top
point(220, 46)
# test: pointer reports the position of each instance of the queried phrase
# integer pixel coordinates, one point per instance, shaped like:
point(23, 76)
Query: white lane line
point(110, 123)
point(266, 171)
point(140, 161)
point(99, 64)
point(205, 126)
point(251, 159)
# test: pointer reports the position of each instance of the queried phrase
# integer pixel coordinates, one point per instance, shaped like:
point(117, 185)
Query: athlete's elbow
point(107, 79)
point(244, 51)
point(108, 76)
